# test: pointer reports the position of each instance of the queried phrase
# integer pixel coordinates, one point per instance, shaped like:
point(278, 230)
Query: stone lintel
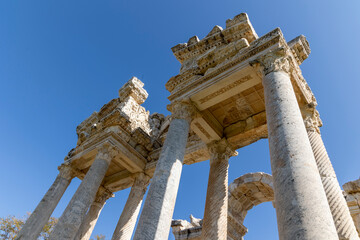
point(190, 83)
point(127, 156)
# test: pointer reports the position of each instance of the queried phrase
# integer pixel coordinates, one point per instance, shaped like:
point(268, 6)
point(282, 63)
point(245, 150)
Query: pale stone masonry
point(233, 88)
point(352, 196)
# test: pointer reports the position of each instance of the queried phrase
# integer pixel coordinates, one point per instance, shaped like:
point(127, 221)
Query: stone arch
point(246, 192)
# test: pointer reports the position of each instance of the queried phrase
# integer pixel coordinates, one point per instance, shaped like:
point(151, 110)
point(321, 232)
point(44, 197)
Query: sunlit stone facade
point(233, 88)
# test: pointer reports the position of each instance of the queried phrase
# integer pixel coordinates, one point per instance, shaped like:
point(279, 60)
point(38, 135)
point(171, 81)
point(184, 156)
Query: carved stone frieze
point(182, 83)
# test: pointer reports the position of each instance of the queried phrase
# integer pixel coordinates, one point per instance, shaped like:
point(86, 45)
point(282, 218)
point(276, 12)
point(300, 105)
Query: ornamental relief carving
point(106, 152)
point(182, 110)
point(276, 60)
point(312, 119)
point(221, 150)
point(225, 89)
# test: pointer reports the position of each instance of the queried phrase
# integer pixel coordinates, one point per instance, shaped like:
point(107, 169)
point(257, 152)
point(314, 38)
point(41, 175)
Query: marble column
point(38, 219)
point(125, 227)
point(341, 215)
point(93, 214)
point(156, 216)
point(301, 206)
point(216, 208)
point(73, 216)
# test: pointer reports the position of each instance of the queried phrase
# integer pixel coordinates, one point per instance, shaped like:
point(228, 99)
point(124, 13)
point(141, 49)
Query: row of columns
point(302, 195)
point(306, 208)
point(80, 216)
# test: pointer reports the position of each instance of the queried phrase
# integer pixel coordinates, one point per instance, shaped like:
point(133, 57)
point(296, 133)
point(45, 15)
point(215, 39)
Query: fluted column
point(155, 219)
point(93, 214)
point(73, 216)
point(125, 227)
point(216, 208)
point(343, 221)
point(301, 205)
point(38, 219)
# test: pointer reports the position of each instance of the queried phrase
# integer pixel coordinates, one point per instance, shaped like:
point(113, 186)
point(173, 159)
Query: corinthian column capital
point(182, 110)
point(66, 171)
point(221, 150)
point(274, 61)
point(106, 151)
point(102, 195)
point(312, 119)
point(141, 180)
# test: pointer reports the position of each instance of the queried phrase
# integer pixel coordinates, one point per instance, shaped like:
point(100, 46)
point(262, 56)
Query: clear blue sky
point(62, 60)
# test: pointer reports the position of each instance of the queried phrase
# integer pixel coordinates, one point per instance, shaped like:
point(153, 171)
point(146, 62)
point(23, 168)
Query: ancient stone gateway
point(233, 89)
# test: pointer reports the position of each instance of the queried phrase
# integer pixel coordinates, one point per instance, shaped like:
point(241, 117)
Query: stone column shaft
point(301, 205)
point(38, 219)
point(343, 221)
point(155, 219)
point(216, 208)
point(93, 214)
point(73, 216)
point(125, 227)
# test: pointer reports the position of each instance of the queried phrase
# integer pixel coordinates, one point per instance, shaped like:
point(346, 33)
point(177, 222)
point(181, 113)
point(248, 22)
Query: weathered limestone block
point(93, 214)
point(352, 196)
point(216, 207)
point(302, 211)
point(73, 216)
point(38, 219)
point(155, 219)
point(126, 224)
point(184, 230)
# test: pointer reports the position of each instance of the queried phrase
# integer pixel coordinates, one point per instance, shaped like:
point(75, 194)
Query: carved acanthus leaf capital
point(221, 150)
point(276, 60)
point(106, 151)
point(141, 180)
point(102, 195)
point(182, 110)
point(312, 119)
point(66, 171)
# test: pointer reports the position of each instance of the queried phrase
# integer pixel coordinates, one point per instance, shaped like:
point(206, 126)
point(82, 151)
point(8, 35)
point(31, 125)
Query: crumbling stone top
point(237, 28)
